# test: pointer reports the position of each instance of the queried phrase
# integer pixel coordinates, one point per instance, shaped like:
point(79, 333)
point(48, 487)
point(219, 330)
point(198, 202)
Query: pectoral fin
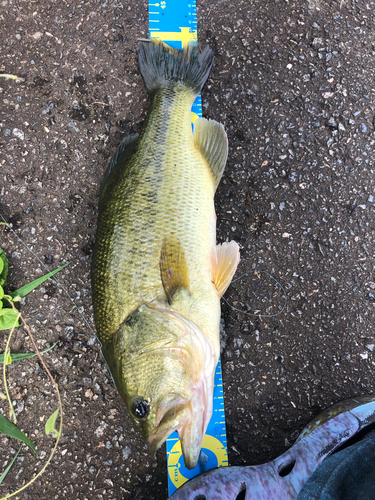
point(173, 267)
point(225, 265)
point(210, 138)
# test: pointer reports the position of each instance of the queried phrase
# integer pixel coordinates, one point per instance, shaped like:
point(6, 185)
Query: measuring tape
point(175, 22)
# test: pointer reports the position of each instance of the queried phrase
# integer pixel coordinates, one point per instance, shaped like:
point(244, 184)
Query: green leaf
point(50, 424)
point(1, 265)
point(4, 270)
point(1, 291)
point(8, 358)
point(11, 430)
point(8, 319)
point(21, 355)
point(3, 475)
point(21, 292)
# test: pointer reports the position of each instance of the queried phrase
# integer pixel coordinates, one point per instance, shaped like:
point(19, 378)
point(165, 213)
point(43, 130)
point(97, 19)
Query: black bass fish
point(157, 273)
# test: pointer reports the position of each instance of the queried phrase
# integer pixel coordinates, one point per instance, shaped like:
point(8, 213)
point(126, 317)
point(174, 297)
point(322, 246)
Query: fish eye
point(140, 408)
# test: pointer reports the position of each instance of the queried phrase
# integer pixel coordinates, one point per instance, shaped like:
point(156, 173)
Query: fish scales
point(155, 268)
point(167, 188)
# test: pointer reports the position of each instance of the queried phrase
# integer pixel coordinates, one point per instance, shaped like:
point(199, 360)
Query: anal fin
point(210, 138)
point(225, 265)
point(173, 267)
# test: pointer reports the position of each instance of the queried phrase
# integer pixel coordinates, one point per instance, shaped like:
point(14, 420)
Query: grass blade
point(24, 355)
point(11, 430)
point(3, 475)
point(21, 292)
point(11, 77)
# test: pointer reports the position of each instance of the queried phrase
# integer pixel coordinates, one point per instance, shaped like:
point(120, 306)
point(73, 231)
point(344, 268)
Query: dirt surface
point(293, 83)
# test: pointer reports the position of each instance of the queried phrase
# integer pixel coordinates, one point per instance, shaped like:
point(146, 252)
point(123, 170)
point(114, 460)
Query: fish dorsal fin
point(225, 264)
point(124, 151)
point(210, 138)
point(173, 267)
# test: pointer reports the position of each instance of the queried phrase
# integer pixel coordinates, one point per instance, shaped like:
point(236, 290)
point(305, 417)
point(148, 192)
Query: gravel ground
point(293, 83)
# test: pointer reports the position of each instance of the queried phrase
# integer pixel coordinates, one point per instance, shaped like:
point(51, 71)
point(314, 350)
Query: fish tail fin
point(162, 66)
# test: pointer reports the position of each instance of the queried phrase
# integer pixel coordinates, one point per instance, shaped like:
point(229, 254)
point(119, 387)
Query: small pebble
point(126, 451)
point(18, 133)
point(332, 123)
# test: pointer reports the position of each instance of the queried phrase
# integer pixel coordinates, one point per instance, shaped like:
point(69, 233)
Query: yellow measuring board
point(184, 36)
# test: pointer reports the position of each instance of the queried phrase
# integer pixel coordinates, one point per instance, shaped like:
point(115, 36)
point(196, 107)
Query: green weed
point(9, 320)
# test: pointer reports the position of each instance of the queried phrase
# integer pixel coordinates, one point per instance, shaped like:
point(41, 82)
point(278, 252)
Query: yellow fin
point(173, 267)
point(225, 265)
point(211, 140)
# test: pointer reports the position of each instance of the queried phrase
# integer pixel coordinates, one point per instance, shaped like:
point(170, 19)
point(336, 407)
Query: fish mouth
point(192, 434)
point(201, 402)
point(189, 418)
point(174, 419)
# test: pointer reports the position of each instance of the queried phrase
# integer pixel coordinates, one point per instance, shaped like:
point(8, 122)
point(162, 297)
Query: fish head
point(165, 372)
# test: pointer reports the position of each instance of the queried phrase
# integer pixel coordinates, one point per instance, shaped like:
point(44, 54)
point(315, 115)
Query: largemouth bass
point(157, 273)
